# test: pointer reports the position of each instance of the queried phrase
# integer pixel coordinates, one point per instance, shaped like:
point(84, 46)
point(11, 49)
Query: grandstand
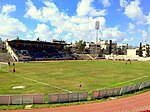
point(5, 57)
point(25, 50)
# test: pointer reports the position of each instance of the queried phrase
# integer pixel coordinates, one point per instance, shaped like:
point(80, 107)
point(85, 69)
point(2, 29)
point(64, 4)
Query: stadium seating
point(39, 52)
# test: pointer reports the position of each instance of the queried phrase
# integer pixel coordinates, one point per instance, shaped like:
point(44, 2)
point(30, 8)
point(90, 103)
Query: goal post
point(4, 66)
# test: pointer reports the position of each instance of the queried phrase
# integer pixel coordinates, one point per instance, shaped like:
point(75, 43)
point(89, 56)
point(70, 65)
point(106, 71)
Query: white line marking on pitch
point(127, 81)
point(43, 83)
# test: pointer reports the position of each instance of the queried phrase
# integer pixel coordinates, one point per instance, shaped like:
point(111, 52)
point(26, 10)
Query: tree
point(147, 51)
point(140, 50)
point(80, 46)
point(119, 51)
point(67, 48)
point(6, 40)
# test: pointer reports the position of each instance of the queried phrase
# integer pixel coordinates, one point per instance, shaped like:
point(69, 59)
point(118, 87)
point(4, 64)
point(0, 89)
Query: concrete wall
point(11, 52)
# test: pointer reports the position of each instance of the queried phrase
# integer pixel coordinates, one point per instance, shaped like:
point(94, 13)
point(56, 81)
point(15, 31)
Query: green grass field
point(58, 77)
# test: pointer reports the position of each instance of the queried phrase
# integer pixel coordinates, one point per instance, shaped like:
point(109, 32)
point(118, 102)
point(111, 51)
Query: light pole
point(97, 28)
point(149, 31)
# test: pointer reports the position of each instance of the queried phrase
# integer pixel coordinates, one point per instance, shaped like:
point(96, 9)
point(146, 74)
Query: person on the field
point(13, 64)
point(9, 63)
point(130, 61)
point(126, 62)
point(14, 70)
point(80, 85)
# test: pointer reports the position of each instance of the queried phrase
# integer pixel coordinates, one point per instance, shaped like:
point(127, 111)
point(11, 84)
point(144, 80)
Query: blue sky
point(123, 21)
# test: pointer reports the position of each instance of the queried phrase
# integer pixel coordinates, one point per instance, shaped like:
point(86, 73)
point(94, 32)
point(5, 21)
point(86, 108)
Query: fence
point(105, 93)
point(119, 91)
point(22, 99)
point(70, 97)
point(67, 97)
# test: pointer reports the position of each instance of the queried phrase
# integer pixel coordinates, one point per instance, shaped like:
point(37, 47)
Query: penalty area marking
point(126, 81)
point(42, 83)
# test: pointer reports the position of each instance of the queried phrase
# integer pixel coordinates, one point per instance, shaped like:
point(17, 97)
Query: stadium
point(74, 56)
point(45, 72)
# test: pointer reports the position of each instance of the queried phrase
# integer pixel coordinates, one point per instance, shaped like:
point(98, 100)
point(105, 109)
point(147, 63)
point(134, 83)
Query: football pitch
point(66, 76)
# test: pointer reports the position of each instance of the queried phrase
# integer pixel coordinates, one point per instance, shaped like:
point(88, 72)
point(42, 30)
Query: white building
point(145, 48)
point(132, 53)
point(104, 44)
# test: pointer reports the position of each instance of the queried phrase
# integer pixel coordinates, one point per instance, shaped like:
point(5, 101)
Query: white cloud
point(80, 26)
point(10, 27)
point(84, 8)
point(114, 34)
point(43, 32)
point(6, 9)
point(30, 35)
point(126, 40)
point(134, 12)
point(32, 11)
point(48, 13)
point(145, 35)
point(131, 28)
point(68, 36)
point(106, 3)
point(148, 19)
point(149, 30)
point(123, 3)
point(98, 12)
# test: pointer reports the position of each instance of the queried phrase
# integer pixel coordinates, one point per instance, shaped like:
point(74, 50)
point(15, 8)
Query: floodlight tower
point(97, 28)
point(149, 31)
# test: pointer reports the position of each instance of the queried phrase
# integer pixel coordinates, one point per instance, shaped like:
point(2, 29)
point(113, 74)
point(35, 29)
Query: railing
point(71, 97)
point(119, 91)
point(22, 99)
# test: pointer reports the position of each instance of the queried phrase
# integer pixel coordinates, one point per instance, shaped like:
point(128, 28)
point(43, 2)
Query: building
point(92, 48)
point(132, 53)
point(122, 49)
point(108, 46)
point(95, 49)
point(103, 47)
point(145, 50)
